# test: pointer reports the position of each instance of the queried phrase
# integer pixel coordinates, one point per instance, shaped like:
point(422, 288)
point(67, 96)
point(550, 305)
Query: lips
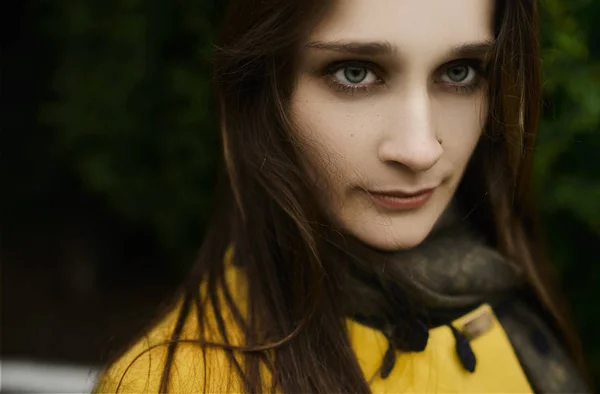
point(402, 194)
point(400, 200)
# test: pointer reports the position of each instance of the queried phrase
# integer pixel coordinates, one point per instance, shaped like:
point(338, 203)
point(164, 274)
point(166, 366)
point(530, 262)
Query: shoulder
point(139, 369)
point(195, 368)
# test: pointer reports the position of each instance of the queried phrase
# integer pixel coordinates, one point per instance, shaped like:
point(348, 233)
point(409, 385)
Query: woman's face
point(389, 106)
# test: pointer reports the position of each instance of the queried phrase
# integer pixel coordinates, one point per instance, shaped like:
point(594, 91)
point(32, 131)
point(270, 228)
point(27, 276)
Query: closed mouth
point(400, 193)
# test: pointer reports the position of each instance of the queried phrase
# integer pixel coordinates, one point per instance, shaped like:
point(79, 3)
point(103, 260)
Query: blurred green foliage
point(132, 115)
point(565, 162)
point(567, 168)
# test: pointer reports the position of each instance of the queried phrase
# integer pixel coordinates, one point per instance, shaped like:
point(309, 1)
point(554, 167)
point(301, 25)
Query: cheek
point(329, 125)
point(332, 135)
point(315, 136)
point(460, 124)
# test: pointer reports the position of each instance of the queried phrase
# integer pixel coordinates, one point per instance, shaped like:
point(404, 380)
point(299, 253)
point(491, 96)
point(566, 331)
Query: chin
point(397, 234)
point(390, 231)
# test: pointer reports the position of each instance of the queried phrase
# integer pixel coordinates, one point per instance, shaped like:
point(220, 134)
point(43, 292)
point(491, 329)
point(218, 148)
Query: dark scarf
point(452, 272)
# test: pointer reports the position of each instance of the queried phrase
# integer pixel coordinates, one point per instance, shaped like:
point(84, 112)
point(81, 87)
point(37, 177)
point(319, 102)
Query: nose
point(410, 138)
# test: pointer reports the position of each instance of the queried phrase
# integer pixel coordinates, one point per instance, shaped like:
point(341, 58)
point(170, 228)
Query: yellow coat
point(435, 370)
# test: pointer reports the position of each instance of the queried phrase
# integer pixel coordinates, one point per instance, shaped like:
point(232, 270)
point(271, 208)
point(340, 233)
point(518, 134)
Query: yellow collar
point(437, 369)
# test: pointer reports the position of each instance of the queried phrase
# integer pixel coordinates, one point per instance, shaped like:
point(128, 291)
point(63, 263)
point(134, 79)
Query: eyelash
point(351, 89)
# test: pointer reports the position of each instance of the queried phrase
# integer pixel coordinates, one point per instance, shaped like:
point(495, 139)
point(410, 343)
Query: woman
point(374, 230)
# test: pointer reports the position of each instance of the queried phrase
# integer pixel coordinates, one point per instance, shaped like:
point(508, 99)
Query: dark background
point(108, 155)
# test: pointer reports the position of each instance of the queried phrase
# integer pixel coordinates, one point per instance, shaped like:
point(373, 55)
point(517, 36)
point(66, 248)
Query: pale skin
point(391, 100)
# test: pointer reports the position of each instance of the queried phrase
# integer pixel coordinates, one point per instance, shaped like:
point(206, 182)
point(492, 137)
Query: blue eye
point(465, 76)
point(460, 74)
point(354, 75)
point(351, 77)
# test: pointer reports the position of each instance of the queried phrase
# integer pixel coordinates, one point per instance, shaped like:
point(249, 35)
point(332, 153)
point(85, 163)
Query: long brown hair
point(266, 208)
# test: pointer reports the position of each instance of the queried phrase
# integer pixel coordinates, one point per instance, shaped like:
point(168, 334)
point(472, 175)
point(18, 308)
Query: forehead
point(413, 26)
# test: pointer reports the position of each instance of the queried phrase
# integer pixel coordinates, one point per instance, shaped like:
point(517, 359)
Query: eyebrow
point(385, 48)
point(355, 48)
